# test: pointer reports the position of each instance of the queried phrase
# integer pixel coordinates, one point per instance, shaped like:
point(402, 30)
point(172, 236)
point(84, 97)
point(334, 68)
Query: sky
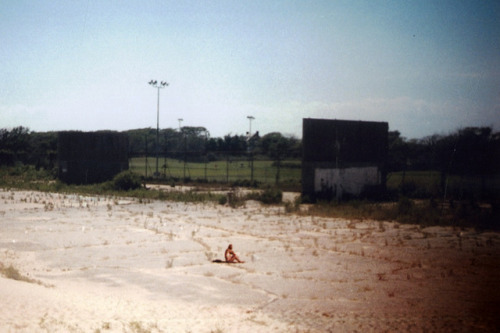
point(425, 67)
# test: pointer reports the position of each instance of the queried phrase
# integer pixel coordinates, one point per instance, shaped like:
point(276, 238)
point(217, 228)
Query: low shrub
point(126, 180)
point(234, 200)
point(222, 200)
point(404, 206)
point(271, 195)
point(245, 183)
point(12, 273)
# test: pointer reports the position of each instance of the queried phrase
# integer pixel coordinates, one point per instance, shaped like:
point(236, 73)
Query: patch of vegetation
point(126, 180)
point(270, 195)
point(22, 174)
point(124, 184)
point(137, 327)
point(409, 206)
point(422, 212)
point(234, 200)
point(12, 273)
point(222, 200)
point(246, 183)
point(190, 196)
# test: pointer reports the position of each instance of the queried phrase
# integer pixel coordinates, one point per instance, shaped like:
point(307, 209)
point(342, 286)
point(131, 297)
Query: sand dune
point(96, 264)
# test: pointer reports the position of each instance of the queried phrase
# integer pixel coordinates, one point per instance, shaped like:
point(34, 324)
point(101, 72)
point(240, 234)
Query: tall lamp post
point(250, 118)
point(155, 84)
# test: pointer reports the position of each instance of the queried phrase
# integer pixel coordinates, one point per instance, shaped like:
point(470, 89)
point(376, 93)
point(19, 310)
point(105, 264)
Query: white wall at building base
point(352, 181)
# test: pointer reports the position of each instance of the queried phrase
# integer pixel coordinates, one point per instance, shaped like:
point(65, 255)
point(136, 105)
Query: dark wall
point(340, 144)
point(351, 142)
point(91, 157)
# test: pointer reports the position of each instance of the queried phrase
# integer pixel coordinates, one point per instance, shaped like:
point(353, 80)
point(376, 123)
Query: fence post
point(277, 171)
point(185, 157)
point(251, 167)
point(206, 155)
point(206, 164)
point(146, 153)
point(227, 167)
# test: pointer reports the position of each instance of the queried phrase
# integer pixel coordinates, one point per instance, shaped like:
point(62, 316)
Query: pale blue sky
point(425, 67)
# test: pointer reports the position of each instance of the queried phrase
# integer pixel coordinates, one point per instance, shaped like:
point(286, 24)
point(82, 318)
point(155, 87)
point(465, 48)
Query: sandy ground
point(119, 265)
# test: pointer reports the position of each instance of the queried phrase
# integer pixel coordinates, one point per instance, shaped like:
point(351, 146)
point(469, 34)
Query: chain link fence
point(223, 167)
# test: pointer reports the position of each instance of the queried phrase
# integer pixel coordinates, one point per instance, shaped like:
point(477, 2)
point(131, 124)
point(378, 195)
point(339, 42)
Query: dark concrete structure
point(91, 157)
point(343, 158)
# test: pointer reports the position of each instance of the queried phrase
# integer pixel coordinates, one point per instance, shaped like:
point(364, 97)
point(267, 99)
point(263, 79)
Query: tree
point(235, 145)
point(195, 139)
point(397, 152)
point(14, 145)
point(43, 153)
point(277, 147)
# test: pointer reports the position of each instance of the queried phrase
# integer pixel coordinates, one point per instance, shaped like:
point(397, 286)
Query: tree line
point(467, 151)
point(195, 144)
point(20, 145)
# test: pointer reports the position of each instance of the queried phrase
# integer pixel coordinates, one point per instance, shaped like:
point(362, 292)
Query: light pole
point(155, 84)
point(250, 118)
point(180, 122)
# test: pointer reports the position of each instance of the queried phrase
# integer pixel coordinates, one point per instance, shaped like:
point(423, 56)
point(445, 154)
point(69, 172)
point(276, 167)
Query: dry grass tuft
point(13, 273)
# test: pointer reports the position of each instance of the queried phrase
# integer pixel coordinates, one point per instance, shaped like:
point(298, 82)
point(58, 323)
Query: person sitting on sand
point(230, 255)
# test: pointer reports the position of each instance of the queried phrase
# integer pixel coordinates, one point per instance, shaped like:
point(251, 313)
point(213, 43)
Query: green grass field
point(218, 171)
point(428, 184)
point(422, 181)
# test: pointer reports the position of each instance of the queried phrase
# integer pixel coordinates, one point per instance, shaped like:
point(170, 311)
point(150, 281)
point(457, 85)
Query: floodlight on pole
point(250, 118)
point(154, 84)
